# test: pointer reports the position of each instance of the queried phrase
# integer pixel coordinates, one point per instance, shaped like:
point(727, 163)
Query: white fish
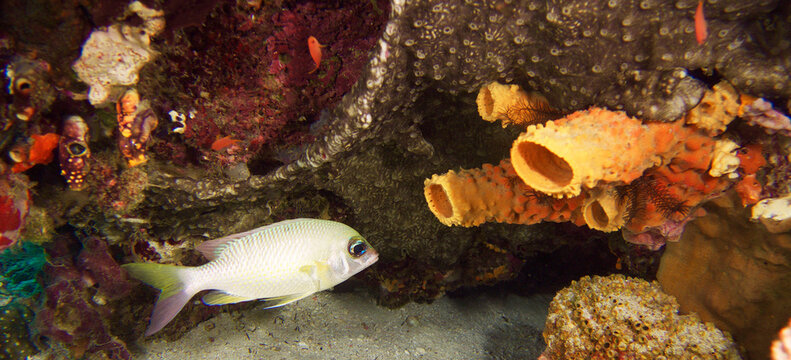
point(280, 263)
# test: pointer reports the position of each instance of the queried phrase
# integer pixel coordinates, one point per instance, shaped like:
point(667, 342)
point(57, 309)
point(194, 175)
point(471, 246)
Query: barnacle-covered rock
point(618, 317)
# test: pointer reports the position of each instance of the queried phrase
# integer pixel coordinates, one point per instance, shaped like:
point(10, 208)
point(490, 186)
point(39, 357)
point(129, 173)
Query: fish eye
point(76, 149)
point(357, 247)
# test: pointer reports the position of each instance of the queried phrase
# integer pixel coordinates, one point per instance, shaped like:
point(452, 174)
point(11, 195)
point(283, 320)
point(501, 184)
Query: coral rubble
point(618, 317)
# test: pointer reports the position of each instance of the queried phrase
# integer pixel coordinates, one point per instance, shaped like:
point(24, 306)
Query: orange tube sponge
point(511, 105)
point(494, 193)
point(604, 209)
point(591, 147)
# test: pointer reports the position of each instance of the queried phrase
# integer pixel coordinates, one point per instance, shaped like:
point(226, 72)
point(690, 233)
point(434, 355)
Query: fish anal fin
point(279, 301)
point(221, 298)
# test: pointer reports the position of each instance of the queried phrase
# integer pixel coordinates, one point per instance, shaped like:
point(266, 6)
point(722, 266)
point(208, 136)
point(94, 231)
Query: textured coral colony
point(637, 153)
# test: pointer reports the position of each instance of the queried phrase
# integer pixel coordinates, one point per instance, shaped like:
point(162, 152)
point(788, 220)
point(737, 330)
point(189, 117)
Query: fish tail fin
point(171, 280)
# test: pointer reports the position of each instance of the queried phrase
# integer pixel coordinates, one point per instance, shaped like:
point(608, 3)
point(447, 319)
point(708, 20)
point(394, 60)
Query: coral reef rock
point(631, 56)
point(618, 317)
point(732, 272)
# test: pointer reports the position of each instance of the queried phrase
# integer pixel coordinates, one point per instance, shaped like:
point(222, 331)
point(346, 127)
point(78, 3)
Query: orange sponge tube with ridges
point(494, 194)
point(592, 147)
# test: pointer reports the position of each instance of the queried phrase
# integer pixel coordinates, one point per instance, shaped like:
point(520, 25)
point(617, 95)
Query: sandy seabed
point(349, 325)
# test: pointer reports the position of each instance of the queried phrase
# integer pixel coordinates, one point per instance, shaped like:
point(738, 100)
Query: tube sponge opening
point(438, 201)
point(544, 168)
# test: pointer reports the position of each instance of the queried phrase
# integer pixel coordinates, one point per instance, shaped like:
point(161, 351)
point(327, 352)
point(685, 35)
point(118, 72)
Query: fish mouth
point(373, 258)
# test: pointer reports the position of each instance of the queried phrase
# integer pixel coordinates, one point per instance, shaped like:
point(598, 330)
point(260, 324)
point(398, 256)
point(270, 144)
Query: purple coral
point(761, 113)
point(71, 315)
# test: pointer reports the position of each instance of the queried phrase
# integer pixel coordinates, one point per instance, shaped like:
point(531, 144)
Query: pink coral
point(14, 205)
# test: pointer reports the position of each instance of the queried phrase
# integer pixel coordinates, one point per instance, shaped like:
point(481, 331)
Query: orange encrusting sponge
point(591, 147)
point(685, 178)
point(494, 194)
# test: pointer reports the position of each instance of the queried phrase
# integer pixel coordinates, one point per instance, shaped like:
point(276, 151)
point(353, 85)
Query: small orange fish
point(223, 143)
point(315, 51)
point(700, 24)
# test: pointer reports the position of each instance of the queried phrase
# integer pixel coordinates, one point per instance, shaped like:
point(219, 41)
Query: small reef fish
point(279, 263)
point(700, 24)
point(223, 143)
point(315, 51)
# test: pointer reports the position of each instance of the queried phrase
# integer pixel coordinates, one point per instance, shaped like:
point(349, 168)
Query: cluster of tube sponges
point(618, 317)
point(597, 167)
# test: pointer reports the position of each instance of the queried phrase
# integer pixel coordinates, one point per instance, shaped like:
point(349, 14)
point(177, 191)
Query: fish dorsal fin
point(221, 298)
point(279, 301)
point(212, 249)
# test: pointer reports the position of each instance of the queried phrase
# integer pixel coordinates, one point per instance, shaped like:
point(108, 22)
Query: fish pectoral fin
point(221, 298)
point(278, 301)
point(318, 273)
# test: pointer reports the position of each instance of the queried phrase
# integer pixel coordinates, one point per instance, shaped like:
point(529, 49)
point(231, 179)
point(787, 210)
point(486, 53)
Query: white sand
point(333, 325)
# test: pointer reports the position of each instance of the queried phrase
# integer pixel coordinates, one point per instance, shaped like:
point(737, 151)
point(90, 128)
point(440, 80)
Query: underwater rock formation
point(630, 56)
point(618, 317)
point(732, 272)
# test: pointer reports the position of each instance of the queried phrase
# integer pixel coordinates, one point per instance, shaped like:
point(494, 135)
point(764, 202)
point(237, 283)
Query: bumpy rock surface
point(635, 56)
point(434, 54)
point(617, 317)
